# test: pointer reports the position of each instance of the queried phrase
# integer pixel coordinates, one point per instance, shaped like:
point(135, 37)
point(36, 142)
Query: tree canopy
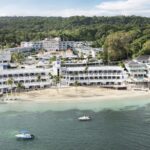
point(133, 31)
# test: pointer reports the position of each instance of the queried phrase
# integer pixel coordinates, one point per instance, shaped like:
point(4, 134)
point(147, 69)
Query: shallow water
point(116, 125)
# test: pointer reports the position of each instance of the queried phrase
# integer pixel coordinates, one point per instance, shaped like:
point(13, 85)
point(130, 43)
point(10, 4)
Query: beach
point(79, 94)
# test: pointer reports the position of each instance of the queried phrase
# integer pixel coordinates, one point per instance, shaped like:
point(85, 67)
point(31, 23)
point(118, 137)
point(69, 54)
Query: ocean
point(116, 125)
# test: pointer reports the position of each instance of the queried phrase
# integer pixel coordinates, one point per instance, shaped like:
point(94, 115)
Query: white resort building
point(94, 74)
point(136, 70)
point(56, 44)
point(49, 44)
point(33, 45)
point(138, 74)
point(29, 78)
point(53, 44)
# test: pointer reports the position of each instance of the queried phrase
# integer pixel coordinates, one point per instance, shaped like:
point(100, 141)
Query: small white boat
point(84, 118)
point(24, 135)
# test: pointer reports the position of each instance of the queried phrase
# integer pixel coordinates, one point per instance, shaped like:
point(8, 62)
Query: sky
point(67, 8)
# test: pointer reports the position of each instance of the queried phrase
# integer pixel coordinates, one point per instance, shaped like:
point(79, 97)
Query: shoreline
point(73, 94)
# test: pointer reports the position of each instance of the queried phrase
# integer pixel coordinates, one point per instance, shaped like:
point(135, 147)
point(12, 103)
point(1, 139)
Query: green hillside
point(121, 36)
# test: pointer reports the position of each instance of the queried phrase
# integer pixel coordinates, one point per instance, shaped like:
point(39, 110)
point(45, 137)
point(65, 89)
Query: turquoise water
point(116, 125)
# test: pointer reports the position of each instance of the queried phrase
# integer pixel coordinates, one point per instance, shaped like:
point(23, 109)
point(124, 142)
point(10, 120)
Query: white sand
point(79, 94)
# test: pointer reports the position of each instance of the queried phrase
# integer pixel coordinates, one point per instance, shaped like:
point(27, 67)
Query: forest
point(121, 36)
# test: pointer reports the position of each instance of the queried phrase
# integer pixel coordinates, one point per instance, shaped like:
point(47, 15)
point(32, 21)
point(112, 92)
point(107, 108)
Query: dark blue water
point(124, 129)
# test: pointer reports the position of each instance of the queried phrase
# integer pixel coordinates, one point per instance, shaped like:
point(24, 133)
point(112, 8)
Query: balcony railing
point(96, 80)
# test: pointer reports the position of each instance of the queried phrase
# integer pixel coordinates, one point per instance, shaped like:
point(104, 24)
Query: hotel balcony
point(88, 75)
point(96, 80)
point(27, 85)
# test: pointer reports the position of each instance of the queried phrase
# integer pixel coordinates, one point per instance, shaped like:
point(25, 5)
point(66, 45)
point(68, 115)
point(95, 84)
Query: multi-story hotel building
point(30, 78)
point(56, 44)
point(63, 45)
point(35, 45)
point(50, 44)
point(94, 74)
point(138, 74)
point(136, 70)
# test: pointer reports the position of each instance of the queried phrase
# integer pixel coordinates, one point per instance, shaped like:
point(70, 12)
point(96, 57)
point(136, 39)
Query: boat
point(84, 118)
point(24, 135)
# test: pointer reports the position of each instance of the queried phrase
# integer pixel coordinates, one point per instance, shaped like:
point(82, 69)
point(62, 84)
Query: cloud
point(112, 8)
point(126, 7)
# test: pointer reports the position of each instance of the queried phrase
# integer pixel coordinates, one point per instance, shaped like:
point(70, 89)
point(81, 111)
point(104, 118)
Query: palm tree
point(88, 58)
point(82, 55)
point(76, 84)
point(17, 57)
point(86, 70)
point(99, 56)
point(39, 79)
point(10, 83)
point(19, 86)
point(56, 79)
point(50, 76)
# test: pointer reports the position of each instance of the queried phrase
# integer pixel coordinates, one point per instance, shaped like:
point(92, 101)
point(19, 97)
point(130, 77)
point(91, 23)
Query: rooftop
point(5, 55)
point(143, 58)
